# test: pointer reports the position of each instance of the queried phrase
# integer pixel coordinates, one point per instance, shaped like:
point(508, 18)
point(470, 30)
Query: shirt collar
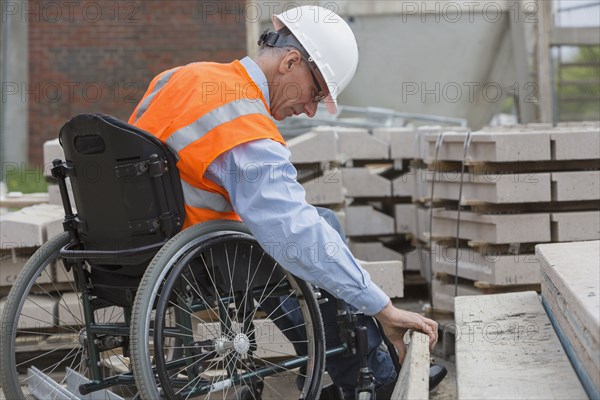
point(257, 76)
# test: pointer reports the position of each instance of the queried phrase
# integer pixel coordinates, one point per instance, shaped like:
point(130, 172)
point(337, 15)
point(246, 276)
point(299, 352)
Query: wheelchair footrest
point(41, 384)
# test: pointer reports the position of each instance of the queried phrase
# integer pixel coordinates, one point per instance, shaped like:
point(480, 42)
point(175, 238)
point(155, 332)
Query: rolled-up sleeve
point(262, 186)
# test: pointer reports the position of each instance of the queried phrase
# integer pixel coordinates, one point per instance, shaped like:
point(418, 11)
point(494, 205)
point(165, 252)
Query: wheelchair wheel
point(222, 318)
point(43, 336)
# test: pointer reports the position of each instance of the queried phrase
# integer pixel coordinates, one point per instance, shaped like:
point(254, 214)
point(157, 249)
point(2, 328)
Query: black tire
point(193, 282)
point(41, 327)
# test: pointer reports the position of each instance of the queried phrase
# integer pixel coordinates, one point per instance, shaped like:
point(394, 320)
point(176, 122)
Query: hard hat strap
point(275, 39)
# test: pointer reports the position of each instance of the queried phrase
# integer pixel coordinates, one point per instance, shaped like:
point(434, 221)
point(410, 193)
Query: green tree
point(578, 87)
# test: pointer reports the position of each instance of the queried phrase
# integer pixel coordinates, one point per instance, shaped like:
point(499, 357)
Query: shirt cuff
point(371, 300)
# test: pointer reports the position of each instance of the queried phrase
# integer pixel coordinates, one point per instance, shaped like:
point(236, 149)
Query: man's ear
point(291, 59)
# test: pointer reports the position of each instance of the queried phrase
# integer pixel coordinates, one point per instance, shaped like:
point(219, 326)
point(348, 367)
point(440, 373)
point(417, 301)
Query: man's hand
point(397, 322)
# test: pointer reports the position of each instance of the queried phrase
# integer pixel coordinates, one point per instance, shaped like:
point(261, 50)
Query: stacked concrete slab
point(22, 233)
point(570, 274)
point(521, 186)
point(350, 171)
point(408, 152)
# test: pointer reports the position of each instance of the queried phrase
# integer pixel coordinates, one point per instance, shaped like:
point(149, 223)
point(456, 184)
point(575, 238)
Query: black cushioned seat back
point(120, 174)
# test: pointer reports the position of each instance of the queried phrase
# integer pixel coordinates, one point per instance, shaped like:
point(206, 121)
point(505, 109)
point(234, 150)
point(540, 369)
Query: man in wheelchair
point(217, 118)
point(197, 306)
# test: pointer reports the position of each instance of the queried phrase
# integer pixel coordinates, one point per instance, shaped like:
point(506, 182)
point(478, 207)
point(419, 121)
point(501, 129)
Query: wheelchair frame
point(99, 337)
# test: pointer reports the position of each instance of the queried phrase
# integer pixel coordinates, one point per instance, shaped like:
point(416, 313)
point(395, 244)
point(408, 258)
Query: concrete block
point(316, 146)
point(405, 186)
point(497, 189)
point(365, 221)
point(411, 184)
point(497, 228)
point(404, 141)
point(406, 218)
point(13, 260)
point(387, 275)
point(61, 274)
point(495, 269)
point(417, 259)
point(38, 312)
point(358, 144)
point(70, 311)
point(325, 189)
point(575, 226)
point(443, 294)
point(576, 144)
point(424, 132)
point(27, 227)
point(423, 224)
point(413, 379)
point(508, 343)
point(54, 228)
point(54, 194)
point(491, 146)
point(341, 216)
point(571, 287)
point(576, 186)
point(52, 151)
point(373, 251)
point(365, 182)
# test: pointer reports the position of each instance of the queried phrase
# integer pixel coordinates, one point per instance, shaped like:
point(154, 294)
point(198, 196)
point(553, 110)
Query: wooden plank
point(506, 348)
point(525, 167)
point(413, 381)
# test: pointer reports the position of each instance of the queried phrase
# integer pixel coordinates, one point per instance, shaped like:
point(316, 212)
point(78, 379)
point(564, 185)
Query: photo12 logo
point(469, 11)
point(125, 12)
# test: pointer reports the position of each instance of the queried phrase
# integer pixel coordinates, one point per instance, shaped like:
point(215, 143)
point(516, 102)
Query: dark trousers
point(343, 369)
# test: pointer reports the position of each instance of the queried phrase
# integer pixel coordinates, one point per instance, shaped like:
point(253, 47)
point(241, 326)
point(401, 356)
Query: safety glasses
point(318, 94)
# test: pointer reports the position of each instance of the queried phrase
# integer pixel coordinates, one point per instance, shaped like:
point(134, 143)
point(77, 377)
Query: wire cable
point(438, 144)
point(460, 187)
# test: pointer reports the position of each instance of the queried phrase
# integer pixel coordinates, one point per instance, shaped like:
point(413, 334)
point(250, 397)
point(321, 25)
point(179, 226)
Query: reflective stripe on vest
point(195, 197)
point(200, 123)
point(162, 81)
point(225, 113)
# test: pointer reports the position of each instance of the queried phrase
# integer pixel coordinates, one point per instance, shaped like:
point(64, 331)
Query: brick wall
point(99, 56)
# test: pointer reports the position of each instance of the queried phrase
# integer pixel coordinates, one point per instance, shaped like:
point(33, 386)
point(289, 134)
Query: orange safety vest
point(200, 111)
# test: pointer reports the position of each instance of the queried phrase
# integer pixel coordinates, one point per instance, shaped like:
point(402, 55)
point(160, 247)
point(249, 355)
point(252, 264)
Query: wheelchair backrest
point(126, 186)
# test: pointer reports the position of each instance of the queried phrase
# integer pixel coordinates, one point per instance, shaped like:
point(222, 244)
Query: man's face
point(298, 89)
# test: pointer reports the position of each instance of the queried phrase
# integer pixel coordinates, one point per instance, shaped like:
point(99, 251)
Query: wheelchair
point(149, 310)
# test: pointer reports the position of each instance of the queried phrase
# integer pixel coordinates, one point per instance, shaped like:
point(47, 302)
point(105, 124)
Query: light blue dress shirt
point(262, 186)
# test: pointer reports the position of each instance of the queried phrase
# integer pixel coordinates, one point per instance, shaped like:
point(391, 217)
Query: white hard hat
point(330, 43)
